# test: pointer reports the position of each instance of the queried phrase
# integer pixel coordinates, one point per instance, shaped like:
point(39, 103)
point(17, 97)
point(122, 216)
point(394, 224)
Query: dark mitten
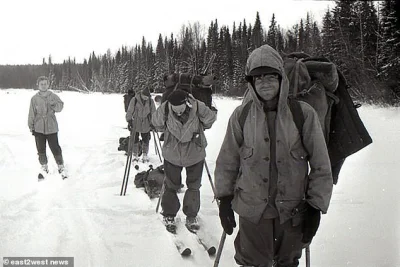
point(311, 223)
point(226, 214)
point(130, 125)
point(33, 133)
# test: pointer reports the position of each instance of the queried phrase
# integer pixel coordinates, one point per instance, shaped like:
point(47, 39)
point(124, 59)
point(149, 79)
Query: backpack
point(124, 144)
point(151, 180)
point(319, 83)
point(197, 85)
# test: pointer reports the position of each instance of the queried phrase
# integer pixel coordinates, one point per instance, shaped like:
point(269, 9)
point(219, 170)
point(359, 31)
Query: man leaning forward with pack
point(262, 170)
point(183, 120)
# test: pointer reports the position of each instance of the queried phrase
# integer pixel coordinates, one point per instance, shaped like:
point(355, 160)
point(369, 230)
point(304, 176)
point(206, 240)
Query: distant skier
point(183, 120)
point(43, 124)
point(127, 98)
point(139, 115)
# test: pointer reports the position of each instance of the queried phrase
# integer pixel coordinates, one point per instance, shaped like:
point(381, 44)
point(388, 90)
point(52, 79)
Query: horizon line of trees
point(361, 37)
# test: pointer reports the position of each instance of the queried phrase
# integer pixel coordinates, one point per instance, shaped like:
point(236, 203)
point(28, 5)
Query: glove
point(311, 223)
point(130, 125)
point(214, 109)
point(226, 214)
point(33, 132)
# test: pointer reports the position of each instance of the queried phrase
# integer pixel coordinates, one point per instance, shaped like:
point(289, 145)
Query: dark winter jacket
point(348, 133)
point(242, 167)
point(42, 118)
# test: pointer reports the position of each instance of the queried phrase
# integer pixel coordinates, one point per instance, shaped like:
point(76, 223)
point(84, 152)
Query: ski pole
point(157, 148)
point(220, 247)
point(159, 142)
point(161, 194)
point(128, 163)
point(308, 256)
point(223, 236)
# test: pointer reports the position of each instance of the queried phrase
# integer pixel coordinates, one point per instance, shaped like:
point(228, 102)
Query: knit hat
point(146, 92)
point(177, 97)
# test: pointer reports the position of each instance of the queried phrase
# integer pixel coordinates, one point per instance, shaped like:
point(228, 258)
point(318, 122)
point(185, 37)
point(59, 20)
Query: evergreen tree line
point(361, 37)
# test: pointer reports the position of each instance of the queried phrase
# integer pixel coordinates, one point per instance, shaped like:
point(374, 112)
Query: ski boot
point(44, 170)
point(192, 224)
point(170, 224)
point(62, 171)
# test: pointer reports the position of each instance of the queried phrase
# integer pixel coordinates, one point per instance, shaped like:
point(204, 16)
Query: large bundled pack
point(151, 180)
point(124, 145)
point(318, 82)
point(197, 85)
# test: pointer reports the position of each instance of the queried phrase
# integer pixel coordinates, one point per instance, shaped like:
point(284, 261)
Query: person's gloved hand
point(226, 214)
point(33, 132)
point(312, 218)
point(130, 125)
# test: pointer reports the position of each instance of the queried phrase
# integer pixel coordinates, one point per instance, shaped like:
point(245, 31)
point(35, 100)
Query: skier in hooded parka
point(262, 170)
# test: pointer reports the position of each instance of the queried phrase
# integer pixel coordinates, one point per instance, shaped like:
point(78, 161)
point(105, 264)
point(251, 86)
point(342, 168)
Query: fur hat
point(177, 97)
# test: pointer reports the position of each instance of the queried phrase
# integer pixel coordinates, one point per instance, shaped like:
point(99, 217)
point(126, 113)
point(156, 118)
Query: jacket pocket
point(247, 205)
point(299, 154)
point(197, 139)
point(246, 152)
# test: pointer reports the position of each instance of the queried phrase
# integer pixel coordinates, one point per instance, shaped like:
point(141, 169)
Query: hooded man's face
point(267, 85)
point(178, 110)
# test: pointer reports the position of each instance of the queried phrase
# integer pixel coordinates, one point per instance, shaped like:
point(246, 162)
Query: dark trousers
point(268, 243)
point(191, 201)
point(55, 148)
point(145, 143)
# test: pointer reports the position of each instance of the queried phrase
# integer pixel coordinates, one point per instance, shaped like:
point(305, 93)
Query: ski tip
point(186, 252)
point(211, 251)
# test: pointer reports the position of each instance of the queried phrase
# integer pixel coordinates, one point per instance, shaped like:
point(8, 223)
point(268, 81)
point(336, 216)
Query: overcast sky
point(33, 29)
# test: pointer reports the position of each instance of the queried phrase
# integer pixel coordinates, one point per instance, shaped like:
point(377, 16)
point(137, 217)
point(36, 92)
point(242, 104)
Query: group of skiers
point(262, 170)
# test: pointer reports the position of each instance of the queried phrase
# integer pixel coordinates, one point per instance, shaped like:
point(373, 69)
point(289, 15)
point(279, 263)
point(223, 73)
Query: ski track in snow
point(84, 217)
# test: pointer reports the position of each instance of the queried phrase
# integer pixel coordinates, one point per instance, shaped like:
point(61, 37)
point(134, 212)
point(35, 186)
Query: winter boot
point(44, 170)
point(62, 171)
point(170, 225)
point(192, 224)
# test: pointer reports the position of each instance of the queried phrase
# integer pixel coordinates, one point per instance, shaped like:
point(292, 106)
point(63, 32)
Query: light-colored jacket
point(242, 167)
point(184, 145)
point(141, 113)
point(42, 118)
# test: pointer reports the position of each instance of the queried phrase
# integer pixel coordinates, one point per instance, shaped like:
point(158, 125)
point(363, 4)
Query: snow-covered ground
point(84, 217)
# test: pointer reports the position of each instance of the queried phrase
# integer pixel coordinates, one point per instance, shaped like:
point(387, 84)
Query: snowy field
point(84, 217)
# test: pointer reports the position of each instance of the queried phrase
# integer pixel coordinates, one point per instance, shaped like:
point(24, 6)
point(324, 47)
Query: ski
point(180, 246)
point(201, 239)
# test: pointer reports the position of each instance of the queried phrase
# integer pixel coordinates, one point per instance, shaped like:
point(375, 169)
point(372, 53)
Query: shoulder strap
point(244, 114)
point(298, 115)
